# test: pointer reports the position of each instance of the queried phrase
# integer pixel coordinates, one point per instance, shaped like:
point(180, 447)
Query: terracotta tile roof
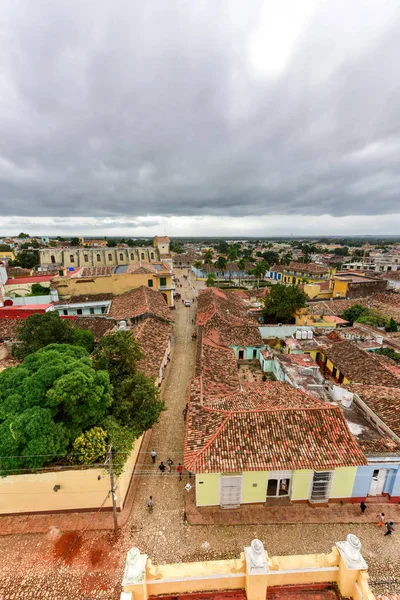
point(388, 597)
point(145, 267)
point(153, 337)
point(100, 326)
point(274, 428)
point(228, 305)
point(217, 367)
point(358, 365)
point(18, 272)
point(383, 401)
point(386, 303)
point(85, 298)
point(8, 328)
point(278, 268)
point(140, 302)
point(220, 331)
point(393, 275)
point(162, 239)
point(310, 268)
point(96, 271)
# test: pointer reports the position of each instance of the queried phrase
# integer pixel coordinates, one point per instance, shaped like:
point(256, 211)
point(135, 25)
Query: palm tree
point(232, 254)
point(221, 263)
point(197, 264)
point(260, 270)
point(241, 266)
point(210, 282)
point(286, 258)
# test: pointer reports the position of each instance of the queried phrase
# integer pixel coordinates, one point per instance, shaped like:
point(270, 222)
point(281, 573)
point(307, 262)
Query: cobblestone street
point(47, 566)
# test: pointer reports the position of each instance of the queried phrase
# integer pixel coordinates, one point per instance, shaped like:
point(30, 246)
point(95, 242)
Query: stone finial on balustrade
point(256, 559)
point(135, 567)
point(350, 551)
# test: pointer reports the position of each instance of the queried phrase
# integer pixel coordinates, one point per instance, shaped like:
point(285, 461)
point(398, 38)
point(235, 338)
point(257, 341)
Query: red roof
point(33, 279)
point(268, 426)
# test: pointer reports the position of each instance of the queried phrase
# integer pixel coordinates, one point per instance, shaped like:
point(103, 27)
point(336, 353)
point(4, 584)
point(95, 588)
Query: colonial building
point(96, 257)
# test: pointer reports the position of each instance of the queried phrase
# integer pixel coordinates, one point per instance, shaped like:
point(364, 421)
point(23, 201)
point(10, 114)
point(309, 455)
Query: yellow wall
point(80, 489)
point(114, 284)
point(301, 484)
point(254, 494)
point(7, 254)
point(207, 493)
point(343, 482)
point(340, 288)
point(233, 574)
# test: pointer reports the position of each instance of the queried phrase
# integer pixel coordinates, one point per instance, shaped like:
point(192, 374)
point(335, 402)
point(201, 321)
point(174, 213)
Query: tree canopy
point(38, 331)
point(117, 353)
point(27, 259)
point(46, 402)
point(282, 302)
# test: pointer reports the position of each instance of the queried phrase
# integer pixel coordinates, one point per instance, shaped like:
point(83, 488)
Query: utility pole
point(112, 491)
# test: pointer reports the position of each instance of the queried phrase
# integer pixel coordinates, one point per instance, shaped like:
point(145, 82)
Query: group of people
point(381, 520)
point(164, 468)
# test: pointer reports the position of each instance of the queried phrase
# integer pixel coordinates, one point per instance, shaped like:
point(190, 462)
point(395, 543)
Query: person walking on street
point(363, 507)
point(162, 467)
point(179, 468)
point(153, 455)
point(170, 465)
point(184, 413)
point(150, 504)
point(389, 528)
point(381, 518)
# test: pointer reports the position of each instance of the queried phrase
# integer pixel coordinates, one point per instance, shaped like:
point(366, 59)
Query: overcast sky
point(192, 117)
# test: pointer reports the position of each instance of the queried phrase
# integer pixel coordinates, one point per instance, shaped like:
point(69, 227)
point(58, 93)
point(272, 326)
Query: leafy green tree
point(83, 337)
point(121, 439)
point(137, 402)
point(90, 446)
point(208, 256)
point(391, 325)
point(27, 259)
point(197, 264)
point(38, 331)
point(23, 236)
point(282, 302)
point(354, 312)
point(49, 399)
point(211, 280)
point(223, 247)
point(30, 439)
point(118, 354)
point(39, 290)
point(390, 353)
point(112, 243)
point(75, 241)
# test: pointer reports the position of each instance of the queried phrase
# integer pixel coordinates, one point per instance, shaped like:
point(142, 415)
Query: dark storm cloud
point(169, 108)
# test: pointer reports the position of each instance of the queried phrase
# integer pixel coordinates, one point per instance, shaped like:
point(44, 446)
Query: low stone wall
point(253, 572)
point(79, 489)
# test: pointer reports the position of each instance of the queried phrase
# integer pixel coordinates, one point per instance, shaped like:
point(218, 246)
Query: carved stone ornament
point(255, 558)
point(350, 551)
point(135, 567)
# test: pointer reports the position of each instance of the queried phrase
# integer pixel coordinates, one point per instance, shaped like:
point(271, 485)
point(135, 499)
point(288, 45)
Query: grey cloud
point(135, 109)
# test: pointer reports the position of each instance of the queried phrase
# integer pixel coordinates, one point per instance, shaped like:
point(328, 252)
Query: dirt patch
point(68, 546)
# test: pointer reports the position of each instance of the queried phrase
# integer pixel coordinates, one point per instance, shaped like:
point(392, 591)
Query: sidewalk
point(259, 514)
